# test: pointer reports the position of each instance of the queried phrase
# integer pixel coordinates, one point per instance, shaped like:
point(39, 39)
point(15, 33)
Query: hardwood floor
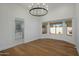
point(42, 47)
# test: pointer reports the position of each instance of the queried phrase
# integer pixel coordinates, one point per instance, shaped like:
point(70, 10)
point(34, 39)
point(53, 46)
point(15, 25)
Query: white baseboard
point(15, 44)
point(10, 46)
point(78, 51)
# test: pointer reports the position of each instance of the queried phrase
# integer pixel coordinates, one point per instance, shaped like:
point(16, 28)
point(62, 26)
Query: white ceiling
point(50, 5)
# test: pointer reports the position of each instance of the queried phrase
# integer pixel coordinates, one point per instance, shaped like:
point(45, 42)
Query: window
point(52, 29)
point(56, 28)
point(69, 27)
point(44, 28)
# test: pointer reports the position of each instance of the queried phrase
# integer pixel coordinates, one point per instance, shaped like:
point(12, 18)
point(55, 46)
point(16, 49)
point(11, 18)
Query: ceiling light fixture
point(38, 9)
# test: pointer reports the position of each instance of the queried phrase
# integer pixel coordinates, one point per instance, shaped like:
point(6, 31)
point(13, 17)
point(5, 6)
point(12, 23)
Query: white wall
point(8, 13)
point(33, 29)
point(77, 25)
point(59, 12)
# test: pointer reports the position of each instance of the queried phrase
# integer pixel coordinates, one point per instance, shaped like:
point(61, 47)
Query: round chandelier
point(38, 9)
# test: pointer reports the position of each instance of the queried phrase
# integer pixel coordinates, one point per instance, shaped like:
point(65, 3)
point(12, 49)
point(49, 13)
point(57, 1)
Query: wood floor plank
point(42, 47)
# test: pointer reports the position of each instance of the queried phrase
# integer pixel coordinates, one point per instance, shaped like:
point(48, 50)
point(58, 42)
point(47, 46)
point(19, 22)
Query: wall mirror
point(19, 29)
